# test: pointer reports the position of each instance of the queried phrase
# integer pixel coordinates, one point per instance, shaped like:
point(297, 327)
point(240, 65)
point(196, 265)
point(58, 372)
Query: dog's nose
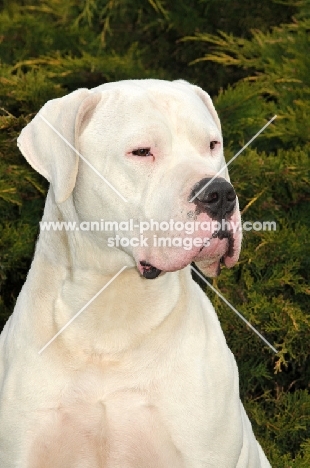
point(217, 199)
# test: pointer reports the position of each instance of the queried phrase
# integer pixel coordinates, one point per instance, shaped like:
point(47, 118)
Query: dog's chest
point(93, 428)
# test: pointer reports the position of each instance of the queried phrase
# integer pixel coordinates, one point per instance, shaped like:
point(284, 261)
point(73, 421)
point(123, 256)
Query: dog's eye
point(213, 144)
point(142, 152)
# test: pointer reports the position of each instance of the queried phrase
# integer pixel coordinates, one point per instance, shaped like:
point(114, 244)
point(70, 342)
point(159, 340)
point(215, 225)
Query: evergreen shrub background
point(253, 58)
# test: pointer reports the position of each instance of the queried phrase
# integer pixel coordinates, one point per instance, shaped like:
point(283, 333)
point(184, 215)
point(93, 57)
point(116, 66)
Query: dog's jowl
point(113, 356)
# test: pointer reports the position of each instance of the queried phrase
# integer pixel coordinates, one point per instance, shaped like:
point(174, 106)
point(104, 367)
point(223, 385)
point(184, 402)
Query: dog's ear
point(49, 141)
point(209, 104)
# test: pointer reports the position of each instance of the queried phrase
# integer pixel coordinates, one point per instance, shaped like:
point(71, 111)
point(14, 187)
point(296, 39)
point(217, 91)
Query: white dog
point(142, 377)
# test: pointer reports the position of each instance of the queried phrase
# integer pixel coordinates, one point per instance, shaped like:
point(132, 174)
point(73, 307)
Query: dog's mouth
point(149, 271)
point(217, 251)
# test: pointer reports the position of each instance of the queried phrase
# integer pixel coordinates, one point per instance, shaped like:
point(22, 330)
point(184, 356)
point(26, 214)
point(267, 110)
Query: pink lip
point(217, 250)
point(211, 259)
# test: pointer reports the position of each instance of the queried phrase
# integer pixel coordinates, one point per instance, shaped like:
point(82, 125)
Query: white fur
point(143, 378)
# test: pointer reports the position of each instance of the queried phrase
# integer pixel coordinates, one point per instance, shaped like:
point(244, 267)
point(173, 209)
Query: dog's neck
point(110, 324)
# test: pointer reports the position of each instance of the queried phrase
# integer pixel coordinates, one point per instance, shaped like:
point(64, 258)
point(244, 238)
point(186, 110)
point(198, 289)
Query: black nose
point(217, 199)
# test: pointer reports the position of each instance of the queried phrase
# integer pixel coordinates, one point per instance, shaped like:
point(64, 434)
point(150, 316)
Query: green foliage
point(51, 48)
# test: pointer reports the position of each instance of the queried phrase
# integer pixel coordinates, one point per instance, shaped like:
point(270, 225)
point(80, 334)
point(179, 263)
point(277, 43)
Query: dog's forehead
point(164, 92)
point(174, 100)
point(145, 84)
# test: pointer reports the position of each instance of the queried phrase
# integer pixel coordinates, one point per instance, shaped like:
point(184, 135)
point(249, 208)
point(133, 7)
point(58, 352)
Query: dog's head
point(156, 144)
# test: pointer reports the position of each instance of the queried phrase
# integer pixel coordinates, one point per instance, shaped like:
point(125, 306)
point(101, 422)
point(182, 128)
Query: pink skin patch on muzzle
point(217, 249)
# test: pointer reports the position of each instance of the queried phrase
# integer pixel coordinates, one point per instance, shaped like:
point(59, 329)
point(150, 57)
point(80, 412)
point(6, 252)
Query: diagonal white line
point(81, 310)
point(82, 157)
point(235, 310)
point(234, 157)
